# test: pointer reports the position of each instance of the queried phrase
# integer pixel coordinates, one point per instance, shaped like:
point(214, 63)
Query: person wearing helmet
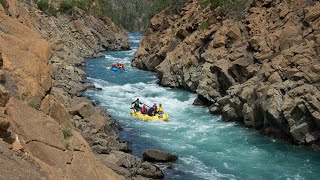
point(160, 109)
point(154, 107)
point(136, 104)
point(144, 109)
point(151, 111)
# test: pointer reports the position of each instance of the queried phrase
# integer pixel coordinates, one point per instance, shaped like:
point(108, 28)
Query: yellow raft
point(162, 117)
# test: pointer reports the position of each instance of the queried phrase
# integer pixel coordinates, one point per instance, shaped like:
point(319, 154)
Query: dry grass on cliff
point(67, 133)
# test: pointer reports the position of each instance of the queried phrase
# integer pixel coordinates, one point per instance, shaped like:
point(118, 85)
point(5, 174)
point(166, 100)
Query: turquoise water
point(208, 148)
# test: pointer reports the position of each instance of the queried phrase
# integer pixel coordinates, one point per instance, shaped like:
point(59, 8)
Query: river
point(207, 147)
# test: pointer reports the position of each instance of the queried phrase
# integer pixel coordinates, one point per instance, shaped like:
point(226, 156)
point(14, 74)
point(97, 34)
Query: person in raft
point(144, 109)
point(160, 109)
point(136, 104)
point(119, 66)
point(155, 107)
point(151, 112)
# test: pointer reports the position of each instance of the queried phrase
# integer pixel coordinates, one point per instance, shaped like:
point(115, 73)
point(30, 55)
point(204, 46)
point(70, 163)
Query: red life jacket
point(144, 110)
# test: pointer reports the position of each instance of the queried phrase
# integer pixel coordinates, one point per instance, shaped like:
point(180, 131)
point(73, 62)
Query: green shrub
point(52, 10)
point(82, 4)
point(67, 144)
point(44, 6)
point(65, 6)
point(234, 8)
point(67, 132)
point(34, 102)
point(204, 25)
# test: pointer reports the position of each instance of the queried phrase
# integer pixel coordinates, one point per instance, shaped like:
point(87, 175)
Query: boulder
point(150, 170)
point(219, 40)
point(299, 132)
point(312, 12)
point(275, 78)
point(229, 113)
point(214, 109)
point(99, 121)
point(119, 170)
point(124, 160)
point(83, 110)
point(154, 155)
point(234, 33)
point(200, 101)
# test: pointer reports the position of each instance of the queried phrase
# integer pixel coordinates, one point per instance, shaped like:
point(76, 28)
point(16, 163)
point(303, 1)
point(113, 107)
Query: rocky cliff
point(47, 130)
point(262, 70)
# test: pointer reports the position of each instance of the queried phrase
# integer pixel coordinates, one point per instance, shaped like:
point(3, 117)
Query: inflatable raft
point(161, 117)
point(117, 69)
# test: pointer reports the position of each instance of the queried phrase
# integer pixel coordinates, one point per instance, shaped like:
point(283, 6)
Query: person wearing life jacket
point(144, 109)
point(151, 112)
point(155, 107)
point(136, 104)
point(160, 109)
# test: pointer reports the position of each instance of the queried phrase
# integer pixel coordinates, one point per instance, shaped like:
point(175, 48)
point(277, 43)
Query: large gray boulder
point(150, 170)
point(153, 155)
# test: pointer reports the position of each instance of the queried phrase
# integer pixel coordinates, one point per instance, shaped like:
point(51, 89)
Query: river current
point(207, 147)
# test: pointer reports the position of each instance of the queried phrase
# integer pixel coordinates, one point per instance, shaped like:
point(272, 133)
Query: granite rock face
point(47, 129)
point(262, 70)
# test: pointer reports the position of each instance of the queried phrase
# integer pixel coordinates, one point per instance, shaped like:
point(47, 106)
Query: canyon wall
point(47, 129)
point(261, 69)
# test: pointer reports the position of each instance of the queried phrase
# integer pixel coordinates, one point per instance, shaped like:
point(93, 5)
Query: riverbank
point(261, 70)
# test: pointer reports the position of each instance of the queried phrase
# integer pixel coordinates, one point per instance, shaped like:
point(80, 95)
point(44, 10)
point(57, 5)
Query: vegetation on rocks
point(34, 102)
point(235, 9)
point(44, 6)
point(203, 25)
point(67, 134)
point(134, 15)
